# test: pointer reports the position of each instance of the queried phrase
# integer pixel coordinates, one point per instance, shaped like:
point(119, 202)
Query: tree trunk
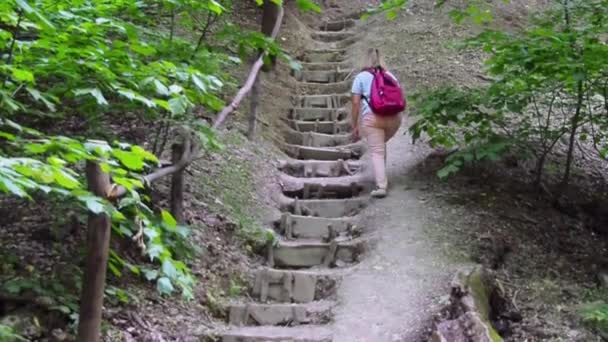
point(98, 247)
point(269, 18)
point(177, 185)
point(540, 166)
point(253, 109)
point(575, 122)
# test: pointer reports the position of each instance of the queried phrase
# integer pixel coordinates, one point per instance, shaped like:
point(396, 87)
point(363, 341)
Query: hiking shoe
point(379, 193)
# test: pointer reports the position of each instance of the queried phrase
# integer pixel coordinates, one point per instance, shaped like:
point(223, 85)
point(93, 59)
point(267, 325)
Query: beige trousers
point(377, 130)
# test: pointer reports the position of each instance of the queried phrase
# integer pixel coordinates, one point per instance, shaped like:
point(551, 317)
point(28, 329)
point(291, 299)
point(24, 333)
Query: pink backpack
point(386, 97)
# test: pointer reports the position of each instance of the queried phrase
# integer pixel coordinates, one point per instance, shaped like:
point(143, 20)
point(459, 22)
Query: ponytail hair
point(371, 59)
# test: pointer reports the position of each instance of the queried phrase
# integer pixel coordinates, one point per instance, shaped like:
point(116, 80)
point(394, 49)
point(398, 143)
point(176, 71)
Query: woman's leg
point(374, 133)
point(391, 126)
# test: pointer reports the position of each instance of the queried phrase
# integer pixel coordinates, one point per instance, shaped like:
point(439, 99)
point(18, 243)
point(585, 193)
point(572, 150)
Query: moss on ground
point(481, 295)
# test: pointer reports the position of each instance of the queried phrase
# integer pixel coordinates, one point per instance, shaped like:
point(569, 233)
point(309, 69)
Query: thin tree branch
point(211, 19)
point(11, 48)
point(255, 69)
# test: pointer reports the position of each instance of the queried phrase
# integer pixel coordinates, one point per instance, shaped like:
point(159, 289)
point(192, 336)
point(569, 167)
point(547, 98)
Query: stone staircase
point(322, 192)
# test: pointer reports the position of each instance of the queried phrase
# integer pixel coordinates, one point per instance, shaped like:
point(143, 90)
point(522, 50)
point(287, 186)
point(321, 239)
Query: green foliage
point(548, 81)
point(596, 315)
point(51, 292)
point(98, 60)
point(235, 289)
point(389, 7)
point(7, 334)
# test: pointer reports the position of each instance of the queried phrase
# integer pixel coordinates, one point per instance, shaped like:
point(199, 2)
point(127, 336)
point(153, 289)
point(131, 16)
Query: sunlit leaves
point(168, 220)
point(308, 5)
point(389, 7)
point(22, 75)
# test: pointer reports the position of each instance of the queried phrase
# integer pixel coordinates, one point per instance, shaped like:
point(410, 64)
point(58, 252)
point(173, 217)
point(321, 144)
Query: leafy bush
point(97, 60)
point(596, 315)
point(7, 334)
point(549, 82)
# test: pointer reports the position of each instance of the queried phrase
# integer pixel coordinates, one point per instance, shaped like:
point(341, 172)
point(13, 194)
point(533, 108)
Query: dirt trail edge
point(393, 293)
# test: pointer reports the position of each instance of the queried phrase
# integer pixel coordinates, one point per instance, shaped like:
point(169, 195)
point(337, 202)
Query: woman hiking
point(377, 103)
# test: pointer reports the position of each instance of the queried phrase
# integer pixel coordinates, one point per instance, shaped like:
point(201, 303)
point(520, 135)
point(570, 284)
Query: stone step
point(322, 114)
point(309, 227)
point(332, 36)
point(321, 76)
point(330, 127)
point(351, 151)
point(284, 314)
point(334, 101)
point(319, 168)
point(314, 139)
point(323, 88)
point(289, 286)
point(304, 333)
point(324, 56)
point(330, 208)
point(327, 66)
point(335, 45)
point(310, 253)
point(323, 187)
point(337, 25)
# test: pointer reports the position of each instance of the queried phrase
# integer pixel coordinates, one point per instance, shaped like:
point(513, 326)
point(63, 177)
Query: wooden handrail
point(253, 74)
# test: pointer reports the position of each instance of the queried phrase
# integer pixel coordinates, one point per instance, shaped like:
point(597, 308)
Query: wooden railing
point(99, 227)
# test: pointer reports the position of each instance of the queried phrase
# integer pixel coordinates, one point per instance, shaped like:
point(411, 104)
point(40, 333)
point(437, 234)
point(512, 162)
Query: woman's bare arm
point(356, 105)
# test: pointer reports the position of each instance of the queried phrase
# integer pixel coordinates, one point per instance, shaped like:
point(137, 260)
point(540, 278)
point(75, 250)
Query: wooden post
point(177, 185)
point(98, 247)
point(253, 108)
point(269, 18)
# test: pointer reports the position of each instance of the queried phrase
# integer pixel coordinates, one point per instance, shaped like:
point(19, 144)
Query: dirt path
point(392, 294)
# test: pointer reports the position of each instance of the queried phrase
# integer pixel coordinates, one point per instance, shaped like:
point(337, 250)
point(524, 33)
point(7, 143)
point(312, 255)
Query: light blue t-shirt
point(362, 85)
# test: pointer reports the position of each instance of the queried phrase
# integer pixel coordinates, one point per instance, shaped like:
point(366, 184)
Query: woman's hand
point(355, 133)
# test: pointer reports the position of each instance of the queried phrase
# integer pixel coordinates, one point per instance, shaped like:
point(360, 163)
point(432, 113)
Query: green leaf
point(95, 92)
point(7, 136)
point(39, 97)
point(94, 204)
point(169, 220)
point(115, 271)
point(138, 150)
point(215, 7)
point(199, 83)
point(169, 269)
point(164, 286)
point(22, 75)
point(447, 170)
point(150, 274)
point(308, 5)
point(130, 160)
point(65, 180)
point(23, 5)
point(161, 89)
point(177, 106)
point(7, 185)
point(62, 308)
